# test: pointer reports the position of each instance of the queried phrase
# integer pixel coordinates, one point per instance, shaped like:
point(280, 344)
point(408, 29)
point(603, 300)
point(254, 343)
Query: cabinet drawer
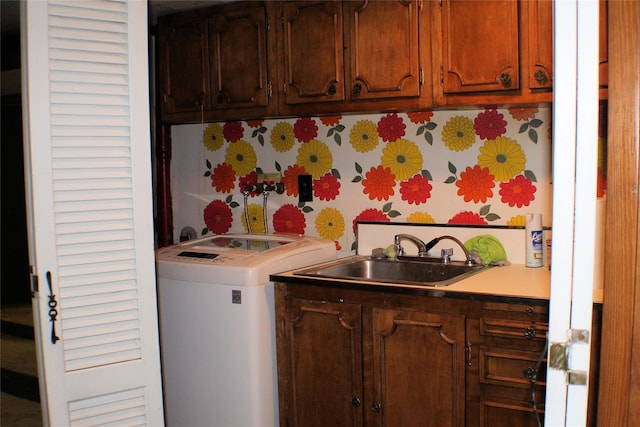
point(512, 368)
point(498, 412)
point(515, 329)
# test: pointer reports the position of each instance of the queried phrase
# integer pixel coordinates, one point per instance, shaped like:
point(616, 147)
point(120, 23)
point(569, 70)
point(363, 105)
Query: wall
point(464, 166)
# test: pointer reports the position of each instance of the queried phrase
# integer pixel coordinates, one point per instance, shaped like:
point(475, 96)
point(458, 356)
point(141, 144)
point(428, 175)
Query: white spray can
point(533, 240)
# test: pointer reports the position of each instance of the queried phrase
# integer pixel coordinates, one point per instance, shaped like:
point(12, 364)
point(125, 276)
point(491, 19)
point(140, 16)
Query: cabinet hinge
point(420, 5)
point(441, 75)
point(35, 285)
point(269, 89)
point(559, 355)
point(421, 76)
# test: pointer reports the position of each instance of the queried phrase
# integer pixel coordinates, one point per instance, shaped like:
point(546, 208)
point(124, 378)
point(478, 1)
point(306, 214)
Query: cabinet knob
point(357, 89)
point(541, 77)
point(376, 407)
point(332, 90)
point(355, 402)
point(220, 99)
point(530, 333)
point(505, 79)
point(530, 374)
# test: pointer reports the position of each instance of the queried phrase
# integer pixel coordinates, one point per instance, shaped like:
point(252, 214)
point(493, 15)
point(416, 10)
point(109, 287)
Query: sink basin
point(401, 272)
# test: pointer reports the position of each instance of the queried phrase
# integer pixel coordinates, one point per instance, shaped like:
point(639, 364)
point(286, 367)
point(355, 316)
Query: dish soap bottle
point(533, 240)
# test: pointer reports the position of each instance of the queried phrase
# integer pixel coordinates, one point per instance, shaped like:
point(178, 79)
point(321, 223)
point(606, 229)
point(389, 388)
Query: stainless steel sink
point(401, 272)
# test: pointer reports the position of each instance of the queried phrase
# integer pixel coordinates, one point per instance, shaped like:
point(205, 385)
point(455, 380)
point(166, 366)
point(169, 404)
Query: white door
point(87, 147)
point(575, 119)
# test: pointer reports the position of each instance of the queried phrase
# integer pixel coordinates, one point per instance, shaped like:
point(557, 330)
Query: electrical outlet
point(305, 190)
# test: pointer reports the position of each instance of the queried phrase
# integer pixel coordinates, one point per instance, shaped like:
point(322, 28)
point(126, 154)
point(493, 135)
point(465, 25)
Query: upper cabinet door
point(480, 46)
point(238, 58)
point(313, 57)
point(383, 49)
point(183, 52)
point(540, 22)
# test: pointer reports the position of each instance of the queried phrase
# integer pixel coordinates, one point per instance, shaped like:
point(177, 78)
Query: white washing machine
point(217, 327)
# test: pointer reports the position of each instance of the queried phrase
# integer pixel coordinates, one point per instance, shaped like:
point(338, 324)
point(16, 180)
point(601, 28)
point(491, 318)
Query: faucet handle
point(446, 255)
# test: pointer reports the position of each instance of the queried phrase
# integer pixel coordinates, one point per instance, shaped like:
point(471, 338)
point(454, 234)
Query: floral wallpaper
point(489, 166)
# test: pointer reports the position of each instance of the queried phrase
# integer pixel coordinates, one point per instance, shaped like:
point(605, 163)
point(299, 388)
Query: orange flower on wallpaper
point(370, 215)
point(475, 184)
point(223, 178)
point(379, 183)
point(418, 117)
point(218, 217)
point(523, 113)
point(255, 123)
point(467, 217)
point(326, 187)
point(416, 189)
point(330, 120)
point(290, 179)
point(391, 127)
point(519, 191)
point(289, 219)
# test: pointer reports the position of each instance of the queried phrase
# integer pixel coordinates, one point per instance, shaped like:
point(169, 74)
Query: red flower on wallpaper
point(232, 131)
point(601, 183)
point(330, 120)
point(391, 127)
point(223, 178)
point(490, 124)
point(416, 189)
point(467, 217)
point(254, 123)
point(290, 179)
point(249, 179)
point(370, 215)
point(327, 187)
point(518, 191)
point(218, 217)
point(476, 184)
point(379, 183)
point(305, 129)
point(418, 117)
point(289, 219)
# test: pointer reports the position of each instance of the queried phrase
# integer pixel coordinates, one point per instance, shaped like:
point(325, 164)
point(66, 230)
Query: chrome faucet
point(446, 253)
point(422, 247)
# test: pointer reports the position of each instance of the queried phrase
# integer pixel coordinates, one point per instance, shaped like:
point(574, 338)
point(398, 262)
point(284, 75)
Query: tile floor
point(19, 399)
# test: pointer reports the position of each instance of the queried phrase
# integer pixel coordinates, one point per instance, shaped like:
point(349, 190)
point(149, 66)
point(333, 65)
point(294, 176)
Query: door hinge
point(559, 354)
point(35, 285)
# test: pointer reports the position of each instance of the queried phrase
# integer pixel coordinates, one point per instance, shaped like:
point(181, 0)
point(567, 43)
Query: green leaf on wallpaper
point(307, 209)
point(535, 123)
point(259, 170)
point(204, 231)
point(485, 210)
point(234, 204)
point(338, 139)
point(207, 163)
point(421, 130)
point(429, 138)
point(533, 135)
point(524, 127)
point(426, 174)
point(452, 168)
point(229, 199)
point(331, 131)
point(431, 125)
point(358, 168)
point(261, 140)
point(335, 173)
point(353, 246)
point(255, 133)
point(492, 217)
point(207, 173)
point(450, 180)
point(393, 214)
point(386, 207)
point(340, 128)
point(356, 179)
point(300, 205)
point(529, 174)
point(278, 167)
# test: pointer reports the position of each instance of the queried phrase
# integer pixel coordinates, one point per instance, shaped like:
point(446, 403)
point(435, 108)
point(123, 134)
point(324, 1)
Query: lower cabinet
point(366, 357)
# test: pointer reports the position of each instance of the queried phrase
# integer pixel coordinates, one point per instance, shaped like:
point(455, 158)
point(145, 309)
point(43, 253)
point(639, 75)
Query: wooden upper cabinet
point(312, 44)
point(183, 65)
point(383, 49)
point(239, 53)
point(539, 30)
point(480, 46)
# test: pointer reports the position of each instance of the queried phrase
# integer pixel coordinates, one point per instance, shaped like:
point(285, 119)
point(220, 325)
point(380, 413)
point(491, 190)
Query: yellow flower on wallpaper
point(403, 158)
point(364, 136)
point(421, 218)
point(213, 137)
point(241, 156)
point(315, 157)
point(330, 224)
point(518, 220)
point(256, 218)
point(503, 157)
point(282, 137)
point(458, 133)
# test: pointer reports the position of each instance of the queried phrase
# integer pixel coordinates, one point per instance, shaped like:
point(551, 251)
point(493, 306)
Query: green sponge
point(488, 247)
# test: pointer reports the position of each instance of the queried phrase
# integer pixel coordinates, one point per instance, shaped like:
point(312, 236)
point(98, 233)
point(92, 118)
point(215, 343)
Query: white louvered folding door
point(87, 147)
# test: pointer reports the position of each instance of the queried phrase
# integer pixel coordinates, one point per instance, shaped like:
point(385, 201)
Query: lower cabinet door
point(418, 369)
point(321, 370)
